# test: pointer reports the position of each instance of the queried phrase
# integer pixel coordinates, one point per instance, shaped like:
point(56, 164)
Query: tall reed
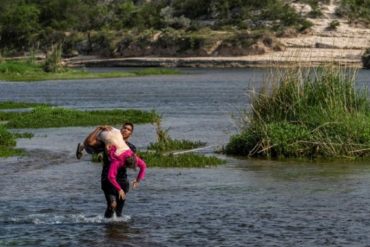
point(307, 112)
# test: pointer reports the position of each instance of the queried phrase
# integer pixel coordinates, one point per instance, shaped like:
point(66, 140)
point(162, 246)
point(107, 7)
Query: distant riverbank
point(305, 57)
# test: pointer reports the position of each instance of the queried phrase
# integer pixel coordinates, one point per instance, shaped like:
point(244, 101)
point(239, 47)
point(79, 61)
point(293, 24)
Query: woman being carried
point(119, 154)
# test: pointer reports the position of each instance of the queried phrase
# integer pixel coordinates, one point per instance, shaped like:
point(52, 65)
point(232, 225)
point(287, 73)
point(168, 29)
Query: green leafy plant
point(306, 113)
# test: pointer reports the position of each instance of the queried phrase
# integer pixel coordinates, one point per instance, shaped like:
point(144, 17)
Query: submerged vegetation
point(306, 113)
point(30, 71)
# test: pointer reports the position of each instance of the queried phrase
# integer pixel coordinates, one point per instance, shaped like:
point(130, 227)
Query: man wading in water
point(118, 154)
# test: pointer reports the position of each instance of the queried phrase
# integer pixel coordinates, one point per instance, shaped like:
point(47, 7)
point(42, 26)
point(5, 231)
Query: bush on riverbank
point(307, 113)
point(356, 11)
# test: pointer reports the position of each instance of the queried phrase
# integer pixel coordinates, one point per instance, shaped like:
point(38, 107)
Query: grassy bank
point(50, 117)
point(306, 113)
point(27, 71)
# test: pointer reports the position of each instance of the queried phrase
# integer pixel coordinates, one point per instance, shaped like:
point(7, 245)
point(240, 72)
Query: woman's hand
point(135, 184)
point(121, 195)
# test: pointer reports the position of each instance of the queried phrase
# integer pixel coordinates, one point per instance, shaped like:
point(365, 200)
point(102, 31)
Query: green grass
point(17, 105)
point(49, 117)
point(307, 113)
point(172, 145)
point(189, 160)
point(24, 71)
point(8, 143)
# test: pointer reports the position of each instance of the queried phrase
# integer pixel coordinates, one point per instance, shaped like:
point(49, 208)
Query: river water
point(48, 198)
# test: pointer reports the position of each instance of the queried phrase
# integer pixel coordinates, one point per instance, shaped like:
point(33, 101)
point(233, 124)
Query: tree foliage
point(41, 23)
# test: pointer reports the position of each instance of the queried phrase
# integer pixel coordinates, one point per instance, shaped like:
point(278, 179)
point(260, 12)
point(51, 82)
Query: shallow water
point(48, 198)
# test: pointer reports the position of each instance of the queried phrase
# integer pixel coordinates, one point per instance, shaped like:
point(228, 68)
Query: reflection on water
point(48, 198)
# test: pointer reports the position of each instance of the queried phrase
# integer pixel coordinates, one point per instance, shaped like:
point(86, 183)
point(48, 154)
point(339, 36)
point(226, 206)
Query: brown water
point(50, 199)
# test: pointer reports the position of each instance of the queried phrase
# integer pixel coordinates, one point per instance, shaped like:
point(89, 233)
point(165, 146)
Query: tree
point(19, 26)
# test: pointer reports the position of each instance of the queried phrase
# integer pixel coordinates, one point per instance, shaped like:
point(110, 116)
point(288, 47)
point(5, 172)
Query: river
point(48, 198)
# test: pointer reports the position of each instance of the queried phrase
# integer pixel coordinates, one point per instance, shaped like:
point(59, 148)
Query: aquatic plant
point(306, 113)
point(48, 117)
point(7, 143)
point(166, 143)
point(188, 160)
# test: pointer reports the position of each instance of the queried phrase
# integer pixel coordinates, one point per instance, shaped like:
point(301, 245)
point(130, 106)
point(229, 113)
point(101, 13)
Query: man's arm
point(131, 146)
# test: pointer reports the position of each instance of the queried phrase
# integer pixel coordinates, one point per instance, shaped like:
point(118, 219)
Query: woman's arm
point(140, 176)
point(112, 174)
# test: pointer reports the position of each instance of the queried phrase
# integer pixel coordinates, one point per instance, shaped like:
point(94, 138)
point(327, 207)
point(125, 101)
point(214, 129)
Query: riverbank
point(342, 44)
point(24, 70)
point(303, 56)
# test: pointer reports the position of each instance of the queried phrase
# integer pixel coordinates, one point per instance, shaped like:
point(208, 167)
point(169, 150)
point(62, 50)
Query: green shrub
point(53, 61)
point(358, 11)
point(333, 25)
point(307, 113)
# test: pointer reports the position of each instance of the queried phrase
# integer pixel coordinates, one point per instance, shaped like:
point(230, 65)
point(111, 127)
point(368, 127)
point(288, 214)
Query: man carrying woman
point(119, 154)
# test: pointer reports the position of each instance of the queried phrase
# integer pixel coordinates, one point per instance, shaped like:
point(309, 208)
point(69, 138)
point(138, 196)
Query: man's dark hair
point(130, 124)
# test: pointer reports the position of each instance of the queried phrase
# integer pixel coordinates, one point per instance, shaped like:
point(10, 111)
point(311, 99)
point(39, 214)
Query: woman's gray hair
point(131, 162)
